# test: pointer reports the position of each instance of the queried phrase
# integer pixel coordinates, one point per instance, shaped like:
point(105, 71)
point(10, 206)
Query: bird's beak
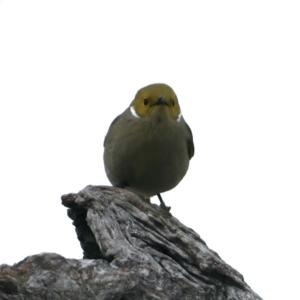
point(161, 101)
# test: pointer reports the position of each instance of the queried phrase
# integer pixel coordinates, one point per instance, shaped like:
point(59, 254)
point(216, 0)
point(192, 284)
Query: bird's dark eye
point(173, 102)
point(145, 101)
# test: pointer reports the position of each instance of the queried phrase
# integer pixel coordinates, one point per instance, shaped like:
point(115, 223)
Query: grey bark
point(132, 250)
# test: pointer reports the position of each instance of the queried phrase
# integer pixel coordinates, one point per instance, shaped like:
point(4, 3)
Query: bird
point(148, 147)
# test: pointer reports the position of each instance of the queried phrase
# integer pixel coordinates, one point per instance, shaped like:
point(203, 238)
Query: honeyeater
point(148, 147)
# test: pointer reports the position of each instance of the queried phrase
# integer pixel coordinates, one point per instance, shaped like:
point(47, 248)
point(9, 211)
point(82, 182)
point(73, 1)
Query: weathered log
point(132, 250)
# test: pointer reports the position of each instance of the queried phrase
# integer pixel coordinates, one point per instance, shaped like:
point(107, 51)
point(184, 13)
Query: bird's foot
point(165, 208)
point(162, 204)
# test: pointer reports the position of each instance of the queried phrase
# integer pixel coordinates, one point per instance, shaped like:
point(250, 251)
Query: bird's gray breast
point(148, 157)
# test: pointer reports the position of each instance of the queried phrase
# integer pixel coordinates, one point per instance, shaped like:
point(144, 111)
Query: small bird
point(148, 147)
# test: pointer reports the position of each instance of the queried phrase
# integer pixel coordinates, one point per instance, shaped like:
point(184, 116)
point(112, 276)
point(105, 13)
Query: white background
point(67, 68)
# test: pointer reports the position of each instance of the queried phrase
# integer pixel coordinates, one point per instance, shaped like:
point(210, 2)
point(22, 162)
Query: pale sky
point(68, 68)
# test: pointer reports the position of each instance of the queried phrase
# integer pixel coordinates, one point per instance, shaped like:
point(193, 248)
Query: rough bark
point(132, 250)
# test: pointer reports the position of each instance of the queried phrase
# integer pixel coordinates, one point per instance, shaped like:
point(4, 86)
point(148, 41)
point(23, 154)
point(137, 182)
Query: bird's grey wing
point(110, 127)
point(190, 142)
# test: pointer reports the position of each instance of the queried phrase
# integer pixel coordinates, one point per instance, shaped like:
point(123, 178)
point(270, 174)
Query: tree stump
point(131, 250)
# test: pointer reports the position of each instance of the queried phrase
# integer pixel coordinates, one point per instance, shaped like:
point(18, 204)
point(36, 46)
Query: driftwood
point(132, 250)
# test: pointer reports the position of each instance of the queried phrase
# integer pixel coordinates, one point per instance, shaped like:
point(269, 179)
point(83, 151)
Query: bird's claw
point(164, 207)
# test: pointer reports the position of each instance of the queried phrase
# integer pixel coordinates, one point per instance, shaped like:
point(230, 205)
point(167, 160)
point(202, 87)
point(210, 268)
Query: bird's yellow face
point(156, 100)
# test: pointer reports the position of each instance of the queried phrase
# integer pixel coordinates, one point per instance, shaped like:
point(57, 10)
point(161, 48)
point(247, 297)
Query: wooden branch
point(132, 250)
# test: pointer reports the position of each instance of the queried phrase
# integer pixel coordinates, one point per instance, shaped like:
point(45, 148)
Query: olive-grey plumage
point(148, 147)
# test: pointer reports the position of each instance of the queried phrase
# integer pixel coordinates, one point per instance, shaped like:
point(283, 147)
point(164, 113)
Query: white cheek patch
point(179, 117)
point(132, 110)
